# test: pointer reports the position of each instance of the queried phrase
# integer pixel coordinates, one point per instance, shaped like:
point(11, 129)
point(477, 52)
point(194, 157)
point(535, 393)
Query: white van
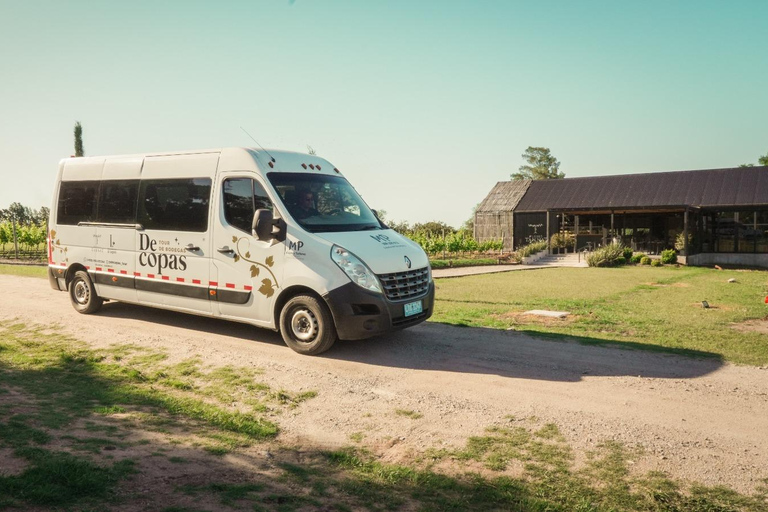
point(271, 238)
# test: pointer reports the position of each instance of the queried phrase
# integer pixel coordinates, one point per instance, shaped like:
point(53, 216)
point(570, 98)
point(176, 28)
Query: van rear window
point(175, 205)
point(77, 202)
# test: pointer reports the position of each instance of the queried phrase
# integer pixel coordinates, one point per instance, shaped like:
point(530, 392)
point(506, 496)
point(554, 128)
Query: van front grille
point(405, 285)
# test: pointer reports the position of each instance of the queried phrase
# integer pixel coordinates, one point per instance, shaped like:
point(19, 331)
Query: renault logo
point(407, 261)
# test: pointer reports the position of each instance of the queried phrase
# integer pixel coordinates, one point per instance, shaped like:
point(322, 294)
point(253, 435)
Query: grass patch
point(655, 308)
point(58, 383)
point(57, 479)
point(409, 414)
point(40, 271)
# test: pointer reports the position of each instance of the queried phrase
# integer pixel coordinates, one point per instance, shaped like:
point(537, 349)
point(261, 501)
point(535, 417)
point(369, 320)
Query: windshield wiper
point(366, 228)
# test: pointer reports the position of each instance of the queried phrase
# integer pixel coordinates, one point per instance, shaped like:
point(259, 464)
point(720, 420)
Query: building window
point(725, 232)
point(761, 231)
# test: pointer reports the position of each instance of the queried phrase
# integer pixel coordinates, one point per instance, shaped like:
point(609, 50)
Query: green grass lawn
point(658, 308)
point(24, 270)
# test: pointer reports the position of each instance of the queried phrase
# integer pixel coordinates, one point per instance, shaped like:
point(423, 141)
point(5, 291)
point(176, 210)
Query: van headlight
point(357, 271)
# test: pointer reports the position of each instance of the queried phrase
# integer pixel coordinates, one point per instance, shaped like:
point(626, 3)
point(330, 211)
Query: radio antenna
point(257, 143)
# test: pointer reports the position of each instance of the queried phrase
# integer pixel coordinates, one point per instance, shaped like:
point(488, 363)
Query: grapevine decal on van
point(267, 288)
point(56, 245)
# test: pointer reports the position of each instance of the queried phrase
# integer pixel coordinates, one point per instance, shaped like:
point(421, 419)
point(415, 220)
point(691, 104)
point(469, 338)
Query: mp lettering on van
point(294, 249)
point(148, 256)
point(386, 241)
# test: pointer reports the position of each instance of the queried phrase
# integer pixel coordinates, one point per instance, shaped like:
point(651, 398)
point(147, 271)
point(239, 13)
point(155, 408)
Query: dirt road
point(697, 419)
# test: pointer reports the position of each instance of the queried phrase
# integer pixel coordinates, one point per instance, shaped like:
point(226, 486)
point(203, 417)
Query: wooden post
point(576, 234)
point(15, 239)
point(685, 235)
point(549, 249)
point(612, 232)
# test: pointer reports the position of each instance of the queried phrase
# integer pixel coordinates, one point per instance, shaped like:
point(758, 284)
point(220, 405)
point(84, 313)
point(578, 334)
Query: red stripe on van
point(151, 276)
point(180, 279)
point(110, 270)
point(165, 278)
point(98, 269)
point(87, 267)
point(248, 288)
point(195, 281)
point(137, 274)
point(230, 285)
point(213, 283)
point(123, 272)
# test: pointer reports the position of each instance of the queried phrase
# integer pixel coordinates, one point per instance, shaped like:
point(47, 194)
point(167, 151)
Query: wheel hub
point(81, 292)
point(304, 325)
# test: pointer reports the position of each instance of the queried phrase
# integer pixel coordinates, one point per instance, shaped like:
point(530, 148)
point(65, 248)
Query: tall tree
point(22, 214)
point(763, 160)
point(541, 166)
point(79, 151)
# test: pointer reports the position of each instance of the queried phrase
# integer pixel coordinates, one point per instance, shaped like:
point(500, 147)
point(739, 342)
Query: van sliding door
point(173, 242)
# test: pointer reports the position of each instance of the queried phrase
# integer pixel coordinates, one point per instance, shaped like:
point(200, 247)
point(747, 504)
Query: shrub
point(656, 263)
point(669, 256)
point(680, 241)
point(645, 260)
point(621, 260)
point(564, 240)
point(636, 258)
point(627, 253)
point(606, 256)
point(529, 250)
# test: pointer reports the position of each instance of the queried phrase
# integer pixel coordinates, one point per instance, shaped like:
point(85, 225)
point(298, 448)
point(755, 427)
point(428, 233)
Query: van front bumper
point(360, 314)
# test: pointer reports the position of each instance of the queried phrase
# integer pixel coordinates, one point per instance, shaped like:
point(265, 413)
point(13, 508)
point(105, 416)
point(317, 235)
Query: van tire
point(307, 326)
point(83, 294)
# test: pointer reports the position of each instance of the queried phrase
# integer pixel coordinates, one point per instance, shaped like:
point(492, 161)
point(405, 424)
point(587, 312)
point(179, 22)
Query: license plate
point(413, 308)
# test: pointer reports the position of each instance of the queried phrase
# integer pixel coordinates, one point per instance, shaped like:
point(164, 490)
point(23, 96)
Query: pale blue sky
point(423, 105)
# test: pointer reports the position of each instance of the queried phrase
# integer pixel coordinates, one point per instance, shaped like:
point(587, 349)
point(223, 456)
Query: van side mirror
point(266, 227)
point(262, 225)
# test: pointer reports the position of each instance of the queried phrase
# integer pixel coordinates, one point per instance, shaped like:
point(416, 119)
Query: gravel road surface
point(697, 419)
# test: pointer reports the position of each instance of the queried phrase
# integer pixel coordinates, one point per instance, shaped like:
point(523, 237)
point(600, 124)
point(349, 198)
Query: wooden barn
point(709, 216)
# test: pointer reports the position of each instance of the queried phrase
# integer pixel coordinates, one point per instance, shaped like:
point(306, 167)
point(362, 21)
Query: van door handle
point(226, 250)
point(192, 248)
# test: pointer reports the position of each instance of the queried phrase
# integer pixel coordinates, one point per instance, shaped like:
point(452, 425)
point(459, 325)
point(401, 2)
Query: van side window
point(243, 196)
point(77, 202)
point(117, 201)
point(175, 205)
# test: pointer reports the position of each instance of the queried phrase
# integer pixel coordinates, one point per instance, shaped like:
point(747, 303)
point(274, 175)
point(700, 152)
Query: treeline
point(438, 238)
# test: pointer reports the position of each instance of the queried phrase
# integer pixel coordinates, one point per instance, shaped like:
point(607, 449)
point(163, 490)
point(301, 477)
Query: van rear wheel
point(83, 294)
point(307, 326)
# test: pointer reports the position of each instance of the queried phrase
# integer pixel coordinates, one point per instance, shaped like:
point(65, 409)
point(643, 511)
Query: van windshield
point(322, 203)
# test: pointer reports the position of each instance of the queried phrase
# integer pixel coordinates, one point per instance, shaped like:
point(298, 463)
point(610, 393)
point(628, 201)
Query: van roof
point(129, 166)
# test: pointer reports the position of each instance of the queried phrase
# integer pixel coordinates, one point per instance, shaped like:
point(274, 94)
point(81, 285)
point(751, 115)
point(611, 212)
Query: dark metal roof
point(740, 186)
point(504, 196)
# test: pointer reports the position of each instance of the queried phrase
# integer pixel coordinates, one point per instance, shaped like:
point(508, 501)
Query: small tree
point(763, 160)
point(79, 150)
point(541, 166)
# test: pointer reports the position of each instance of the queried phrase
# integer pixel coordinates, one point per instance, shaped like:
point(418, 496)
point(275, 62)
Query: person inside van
point(305, 205)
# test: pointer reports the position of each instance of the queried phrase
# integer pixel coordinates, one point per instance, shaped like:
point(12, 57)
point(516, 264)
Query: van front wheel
point(83, 294)
point(307, 325)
